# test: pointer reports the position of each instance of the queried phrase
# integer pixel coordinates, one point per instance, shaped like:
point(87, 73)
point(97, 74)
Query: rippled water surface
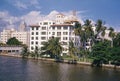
point(17, 69)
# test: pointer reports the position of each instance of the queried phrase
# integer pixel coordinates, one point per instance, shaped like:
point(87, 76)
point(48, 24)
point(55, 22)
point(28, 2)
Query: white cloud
point(21, 5)
point(7, 21)
point(34, 2)
point(32, 17)
point(25, 4)
point(51, 15)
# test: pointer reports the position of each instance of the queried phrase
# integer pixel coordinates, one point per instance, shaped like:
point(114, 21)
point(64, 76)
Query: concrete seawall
point(65, 61)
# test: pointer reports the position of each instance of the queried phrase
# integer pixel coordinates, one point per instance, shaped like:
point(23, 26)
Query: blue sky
point(107, 10)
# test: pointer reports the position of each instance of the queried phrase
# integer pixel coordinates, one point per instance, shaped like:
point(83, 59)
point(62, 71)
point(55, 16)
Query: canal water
point(17, 69)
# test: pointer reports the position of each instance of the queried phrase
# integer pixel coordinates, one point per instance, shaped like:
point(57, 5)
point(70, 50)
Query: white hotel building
point(46, 29)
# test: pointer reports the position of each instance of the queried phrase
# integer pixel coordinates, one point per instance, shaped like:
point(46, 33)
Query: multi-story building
point(66, 34)
point(6, 34)
point(39, 33)
point(44, 30)
point(22, 35)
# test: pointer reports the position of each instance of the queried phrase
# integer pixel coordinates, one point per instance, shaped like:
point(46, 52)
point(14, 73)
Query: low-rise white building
point(11, 49)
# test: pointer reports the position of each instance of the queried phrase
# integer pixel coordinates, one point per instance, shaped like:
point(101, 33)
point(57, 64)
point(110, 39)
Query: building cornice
point(34, 25)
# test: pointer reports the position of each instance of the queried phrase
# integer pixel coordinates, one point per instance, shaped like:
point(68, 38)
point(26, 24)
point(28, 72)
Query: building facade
point(6, 34)
point(11, 50)
point(46, 29)
point(39, 33)
point(22, 35)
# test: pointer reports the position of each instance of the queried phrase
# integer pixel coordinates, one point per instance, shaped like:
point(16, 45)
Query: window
point(53, 28)
point(36, 33)
point(65, 33)
point(53, 33)
point(65, 27)
point(72, 38)
point(36, 28)
point(32, 28)
point(71, 28)
point(65, 49)
point(42, 42)
point(32, 38)
point(32, 42)
point(45, 23)
point(43, 33)
point(59, 28)
point(64, 43)
point(32, 33)
point(58, 33)
point(43, 38)
point(43, 28)
point(36, 42)
point(40, 23)
point(59, 38)
point(36, 38)
point(65, 38)
point(32, 48)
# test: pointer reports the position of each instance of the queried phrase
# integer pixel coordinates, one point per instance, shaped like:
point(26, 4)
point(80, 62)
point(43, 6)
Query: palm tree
point(36, 52)
point(99, 26)
point(116, 41)
point(25, 52)
point(89, 33)
point(85, 32)
point(103, 33)
point(53, 46)
point(100, 29)
point(79, 32)
point(45, 50)
point(32, 54)
point(72, 50)
point(112, 35)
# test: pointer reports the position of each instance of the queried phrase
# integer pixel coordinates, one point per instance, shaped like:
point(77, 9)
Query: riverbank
point(65, 61)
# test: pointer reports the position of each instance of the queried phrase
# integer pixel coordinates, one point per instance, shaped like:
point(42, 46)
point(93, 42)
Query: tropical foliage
point(13, 41)
point(102, 49)
point(52, 47)
point(25, 52)
point(72, 50)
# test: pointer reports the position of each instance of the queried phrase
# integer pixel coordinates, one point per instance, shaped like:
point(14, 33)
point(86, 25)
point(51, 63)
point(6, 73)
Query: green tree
point(25, 52)
point(52, 47)
point(80, 32)
point(2, 44)
point(115, 55)
point(89, 33)
point(100, 29)
point(86, 34)
point(45, 50)
point(99, 53)
point(112, 35)
point(13, 41)
point(116, 40)
point(72, 50)
point(36, 52)
point(32, 54)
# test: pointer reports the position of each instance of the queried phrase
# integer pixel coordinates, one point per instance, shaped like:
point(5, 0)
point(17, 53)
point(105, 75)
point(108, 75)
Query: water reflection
point(16, 69)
